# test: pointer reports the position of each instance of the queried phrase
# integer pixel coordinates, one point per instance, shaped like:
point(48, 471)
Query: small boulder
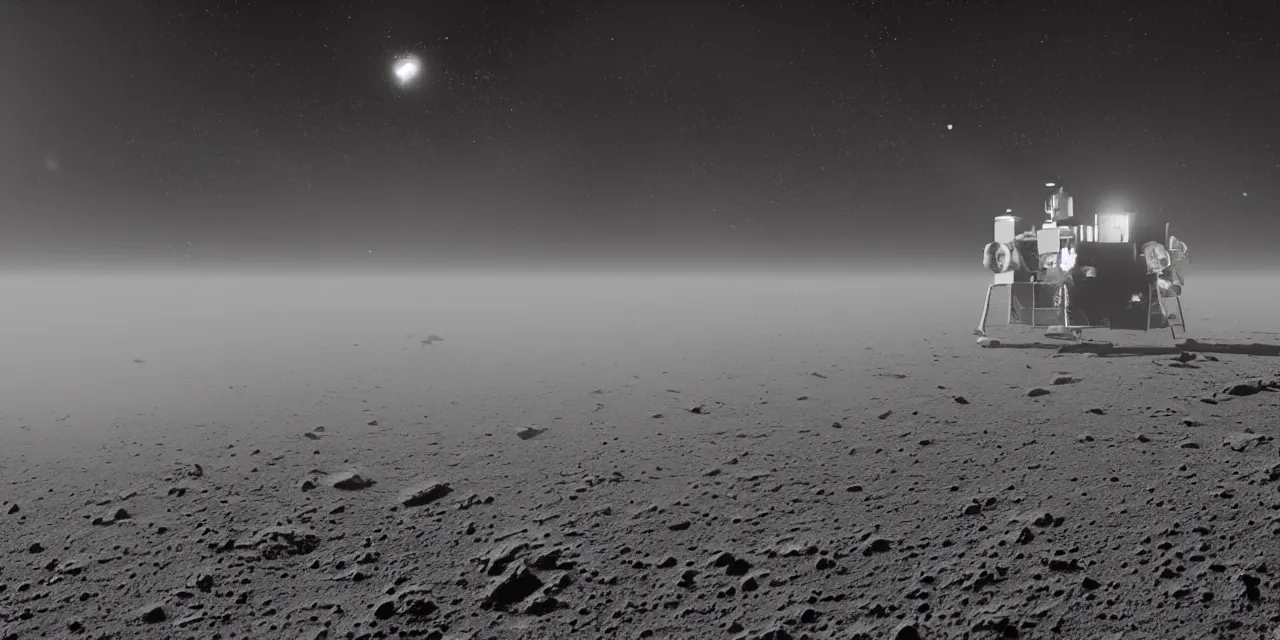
point(425, 493)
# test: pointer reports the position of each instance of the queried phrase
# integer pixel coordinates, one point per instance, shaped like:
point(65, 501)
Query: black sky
point(625, 130)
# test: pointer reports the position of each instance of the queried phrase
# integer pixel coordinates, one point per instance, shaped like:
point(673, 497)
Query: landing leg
point(986, 308)
point(1182, 322)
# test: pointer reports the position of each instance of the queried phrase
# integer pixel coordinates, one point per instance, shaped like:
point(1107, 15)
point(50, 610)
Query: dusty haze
point(72, 338)
point(213, 341)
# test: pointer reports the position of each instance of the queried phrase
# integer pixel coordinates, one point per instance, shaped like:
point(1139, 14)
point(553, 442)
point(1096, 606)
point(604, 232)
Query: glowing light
point(1066, 259)
point(948, 127)
point(1113, 227)
point(407, 69)
point(1050, 185)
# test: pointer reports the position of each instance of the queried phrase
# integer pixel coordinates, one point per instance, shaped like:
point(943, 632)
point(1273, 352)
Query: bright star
point(407, 69)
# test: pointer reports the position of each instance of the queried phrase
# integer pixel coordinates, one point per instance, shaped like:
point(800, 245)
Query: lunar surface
point(624, 456)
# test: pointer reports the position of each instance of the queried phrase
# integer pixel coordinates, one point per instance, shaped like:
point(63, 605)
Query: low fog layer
point(74, 339)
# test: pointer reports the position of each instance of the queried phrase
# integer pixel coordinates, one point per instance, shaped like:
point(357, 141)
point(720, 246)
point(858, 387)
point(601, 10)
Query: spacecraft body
point(1110, 270)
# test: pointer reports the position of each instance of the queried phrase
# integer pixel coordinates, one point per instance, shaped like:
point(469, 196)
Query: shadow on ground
point(1109, 349)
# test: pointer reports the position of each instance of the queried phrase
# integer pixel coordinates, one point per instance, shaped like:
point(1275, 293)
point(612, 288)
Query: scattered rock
point(385, 610)
point(878, 545)
point(1251, 583)
point(1036, 392)
point(1251, 387)
point(737, 567)
point(509, 590)
point(153, 614)
point(906, 631)
point(1066, 565)
point(1244, 441)
point(118, 515)
point(280, 542)
point(529, 433)
point(415, 603)
point(425, 493)
point(1044, 520)
point(350, 481)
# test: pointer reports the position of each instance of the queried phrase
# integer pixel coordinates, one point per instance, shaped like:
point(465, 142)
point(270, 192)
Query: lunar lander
point(1113, 271)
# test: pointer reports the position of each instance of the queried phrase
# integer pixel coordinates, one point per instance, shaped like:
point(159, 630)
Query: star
point(407, 69)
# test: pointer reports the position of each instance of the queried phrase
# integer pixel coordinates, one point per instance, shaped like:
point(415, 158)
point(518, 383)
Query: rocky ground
point(955, 492)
